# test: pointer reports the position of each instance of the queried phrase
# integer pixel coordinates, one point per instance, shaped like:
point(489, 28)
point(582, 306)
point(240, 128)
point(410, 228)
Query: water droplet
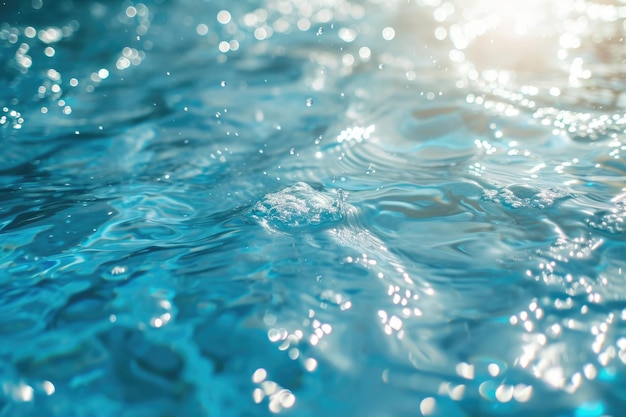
point(309, 102)
point(320, 31)
point(223, 83)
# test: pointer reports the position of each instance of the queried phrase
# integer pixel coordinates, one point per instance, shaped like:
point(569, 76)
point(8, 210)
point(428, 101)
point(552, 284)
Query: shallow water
point(322, 207)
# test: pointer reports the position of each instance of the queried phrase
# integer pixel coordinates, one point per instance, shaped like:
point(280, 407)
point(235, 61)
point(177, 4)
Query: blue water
point(312, 208)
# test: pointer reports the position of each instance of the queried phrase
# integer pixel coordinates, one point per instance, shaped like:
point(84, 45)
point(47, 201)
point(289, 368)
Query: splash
point(298, 207)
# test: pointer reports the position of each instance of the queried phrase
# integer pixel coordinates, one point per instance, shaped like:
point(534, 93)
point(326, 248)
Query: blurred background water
point(312, 208)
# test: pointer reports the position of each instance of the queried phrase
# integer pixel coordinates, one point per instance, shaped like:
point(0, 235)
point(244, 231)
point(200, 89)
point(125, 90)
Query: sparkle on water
point(313, 208)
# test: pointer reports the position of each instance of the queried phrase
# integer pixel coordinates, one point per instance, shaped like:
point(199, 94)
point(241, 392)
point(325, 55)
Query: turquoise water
point(312, 208)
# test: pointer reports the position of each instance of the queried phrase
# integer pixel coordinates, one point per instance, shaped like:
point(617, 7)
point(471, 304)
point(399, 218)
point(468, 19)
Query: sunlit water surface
point(312, 208)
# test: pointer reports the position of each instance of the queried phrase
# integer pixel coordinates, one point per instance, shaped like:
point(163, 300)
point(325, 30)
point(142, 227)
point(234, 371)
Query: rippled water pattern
point(312, 208)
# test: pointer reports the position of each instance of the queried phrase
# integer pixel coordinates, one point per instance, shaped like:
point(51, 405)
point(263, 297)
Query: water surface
point(307, 208)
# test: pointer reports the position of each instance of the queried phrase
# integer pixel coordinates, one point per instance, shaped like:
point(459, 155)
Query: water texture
point(312, 208)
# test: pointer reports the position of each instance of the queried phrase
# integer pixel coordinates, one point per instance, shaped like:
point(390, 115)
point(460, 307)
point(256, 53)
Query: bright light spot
point(441, 33)
point(122, 63)
point(504, 393)
point(223, 16)
point(53, 74)
point(259, 375)
point(117, 270)
point(48, 387)
point(269, 387)
point(310, 364)
point(103, 73)
point(281, 400)
point(276, 335)
point(26, 61)
point(294, 353)
point(457, 392)
point(427, 406)
point(262, 33)
point(21, 392)
point(347, 34)
point(389, 33)
point(348, 60)
point(287, 399)
point(522, 393)
point(282, 25)
point(395, 323)
point(50, 35)
point(30, 32)
point(202, 29)
point(25, 393)
point(224, 46)
point(356, 134)
point(131, 11)
point(258, 395)
point(554, 377)
point(365, 53)
point(465, 370)
point(493, 369)
point(304, 24)
point(529, 326)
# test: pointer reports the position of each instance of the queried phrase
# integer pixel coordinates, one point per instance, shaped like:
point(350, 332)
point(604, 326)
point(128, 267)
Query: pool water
point(312, 208)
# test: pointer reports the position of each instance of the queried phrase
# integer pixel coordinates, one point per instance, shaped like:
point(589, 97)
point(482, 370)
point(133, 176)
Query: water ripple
point(312, 208)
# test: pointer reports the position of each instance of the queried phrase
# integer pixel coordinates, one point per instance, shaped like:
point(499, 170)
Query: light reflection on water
point(312, 207)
